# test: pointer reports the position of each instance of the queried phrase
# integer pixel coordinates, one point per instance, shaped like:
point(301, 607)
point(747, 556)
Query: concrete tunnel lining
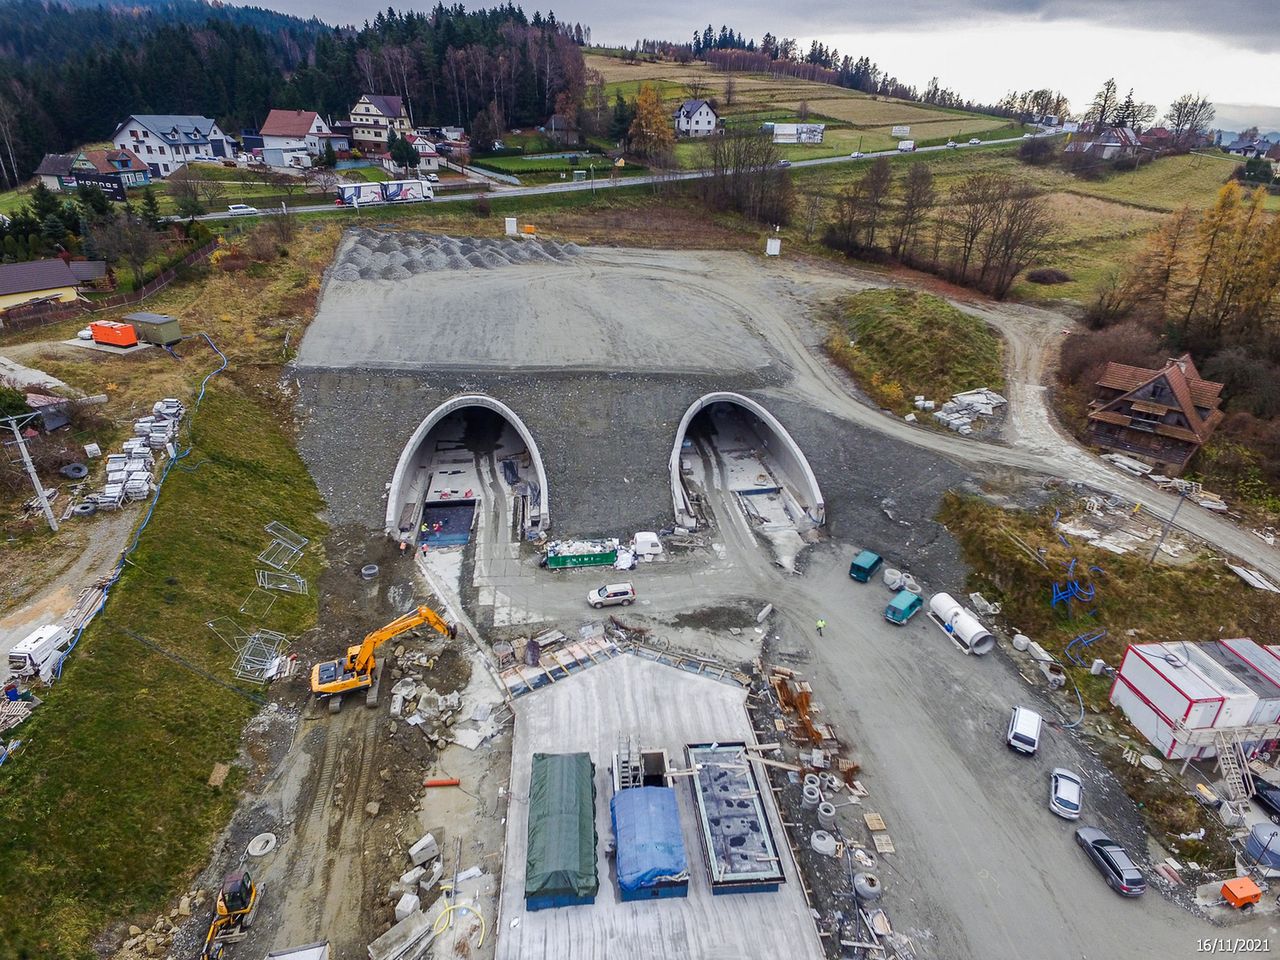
point(817, 508)
point(395, 497)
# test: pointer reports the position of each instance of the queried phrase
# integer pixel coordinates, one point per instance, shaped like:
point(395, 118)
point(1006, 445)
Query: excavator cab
point(237, 893)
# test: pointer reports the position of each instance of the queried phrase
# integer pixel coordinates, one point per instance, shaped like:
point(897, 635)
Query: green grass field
point(901, 343)
point(107, 807)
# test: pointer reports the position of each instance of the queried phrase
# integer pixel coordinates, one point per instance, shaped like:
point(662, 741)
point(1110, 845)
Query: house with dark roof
point(563, 131)
point(55, 171)
point(36, 281)
point(1253, 147)
point(165, 141)
point(373, 117)
point(695, 118)
point(1159, 416)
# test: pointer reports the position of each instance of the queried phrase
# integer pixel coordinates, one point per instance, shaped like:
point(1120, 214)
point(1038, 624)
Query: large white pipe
point(960, 624)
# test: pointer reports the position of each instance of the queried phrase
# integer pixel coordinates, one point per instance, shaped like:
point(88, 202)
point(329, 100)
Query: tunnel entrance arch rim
point(680, 496)
point(450, 406)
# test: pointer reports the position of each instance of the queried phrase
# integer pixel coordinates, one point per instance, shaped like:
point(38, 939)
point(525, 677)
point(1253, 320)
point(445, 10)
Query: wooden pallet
point(883, 843)
point(874, 821)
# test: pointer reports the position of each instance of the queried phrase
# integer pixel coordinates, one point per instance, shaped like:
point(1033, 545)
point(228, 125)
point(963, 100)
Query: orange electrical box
point(113, 333)
point(1241, 892)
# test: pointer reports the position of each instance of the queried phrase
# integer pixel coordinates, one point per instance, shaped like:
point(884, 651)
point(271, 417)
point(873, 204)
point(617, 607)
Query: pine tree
point(151, 208)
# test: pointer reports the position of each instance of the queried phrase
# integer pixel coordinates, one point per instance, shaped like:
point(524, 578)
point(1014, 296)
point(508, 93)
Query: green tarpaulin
point(562, 827)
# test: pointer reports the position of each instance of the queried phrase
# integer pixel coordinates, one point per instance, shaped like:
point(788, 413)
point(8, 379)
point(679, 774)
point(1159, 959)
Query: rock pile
point(398, 256)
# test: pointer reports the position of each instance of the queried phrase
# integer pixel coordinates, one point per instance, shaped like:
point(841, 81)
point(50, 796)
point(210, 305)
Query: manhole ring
point(262, 844)
point(1150, 762)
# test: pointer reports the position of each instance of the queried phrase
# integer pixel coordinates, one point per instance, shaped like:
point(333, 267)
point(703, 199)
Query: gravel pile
point(370, 255)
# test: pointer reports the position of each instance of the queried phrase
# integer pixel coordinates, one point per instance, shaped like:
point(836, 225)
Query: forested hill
point(69, 72)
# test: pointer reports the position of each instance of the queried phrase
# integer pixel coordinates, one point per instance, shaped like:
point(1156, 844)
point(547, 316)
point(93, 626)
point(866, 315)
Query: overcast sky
point(1226, 49)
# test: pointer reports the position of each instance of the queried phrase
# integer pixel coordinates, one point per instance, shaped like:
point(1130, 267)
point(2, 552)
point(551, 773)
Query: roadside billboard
point(901, 131)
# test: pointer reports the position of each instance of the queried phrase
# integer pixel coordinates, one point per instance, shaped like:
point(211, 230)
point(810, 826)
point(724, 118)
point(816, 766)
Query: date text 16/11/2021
point(1229, 945)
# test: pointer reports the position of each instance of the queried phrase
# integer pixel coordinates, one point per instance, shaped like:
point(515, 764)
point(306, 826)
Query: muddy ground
point(343, 794)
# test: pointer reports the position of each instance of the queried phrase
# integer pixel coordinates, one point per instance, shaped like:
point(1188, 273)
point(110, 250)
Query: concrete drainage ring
point(262, 844)
point(823, 843)
point(369, 571)
point(867, 886)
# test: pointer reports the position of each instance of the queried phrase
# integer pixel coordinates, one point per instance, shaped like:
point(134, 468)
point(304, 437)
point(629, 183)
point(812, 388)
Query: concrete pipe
point(910, 585)
point(262, 844)
point(867, 886)
point(892, 578)
point(823, 843)
point(830, 782)
point(827, 815)
point(965, 630)
point(810, 798)
point(368, 571)
point(812, 780)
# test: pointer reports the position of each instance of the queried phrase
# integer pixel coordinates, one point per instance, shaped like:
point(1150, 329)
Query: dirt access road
point(1031, 441)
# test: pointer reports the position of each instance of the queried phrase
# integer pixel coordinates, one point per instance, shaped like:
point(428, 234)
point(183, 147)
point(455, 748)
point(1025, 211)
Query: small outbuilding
point(561, 860)
point(158, 328)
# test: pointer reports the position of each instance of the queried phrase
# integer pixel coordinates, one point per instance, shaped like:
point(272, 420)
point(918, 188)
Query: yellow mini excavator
point(357, 671)
point(233, 913)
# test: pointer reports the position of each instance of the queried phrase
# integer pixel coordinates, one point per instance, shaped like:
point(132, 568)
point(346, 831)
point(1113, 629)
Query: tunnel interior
point(732, 446)
point(466, 456)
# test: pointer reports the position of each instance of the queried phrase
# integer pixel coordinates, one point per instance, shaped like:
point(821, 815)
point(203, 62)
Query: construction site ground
point(980, 868)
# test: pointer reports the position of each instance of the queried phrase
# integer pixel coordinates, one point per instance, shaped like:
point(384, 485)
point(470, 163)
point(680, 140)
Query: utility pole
point(1182, 496)
point(15, 424)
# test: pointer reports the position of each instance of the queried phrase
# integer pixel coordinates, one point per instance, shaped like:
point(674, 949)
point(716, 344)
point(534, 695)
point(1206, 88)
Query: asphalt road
point(581, 187)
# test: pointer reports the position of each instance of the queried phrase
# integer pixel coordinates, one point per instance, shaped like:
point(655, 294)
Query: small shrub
point(482, 207)
point(1048, 275)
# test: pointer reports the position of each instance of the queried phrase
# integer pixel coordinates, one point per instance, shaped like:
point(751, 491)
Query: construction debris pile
point(962, 410)
point(131, 473)
point(156, 940)
point(836, 840)
point(1190, 489)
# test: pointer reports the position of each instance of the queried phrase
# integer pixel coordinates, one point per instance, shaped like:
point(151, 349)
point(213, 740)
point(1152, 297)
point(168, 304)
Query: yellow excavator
point(233, 913)
point(330, 679)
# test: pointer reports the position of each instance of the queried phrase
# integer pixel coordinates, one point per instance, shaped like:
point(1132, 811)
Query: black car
point(1267, 796)
point(1121, 873)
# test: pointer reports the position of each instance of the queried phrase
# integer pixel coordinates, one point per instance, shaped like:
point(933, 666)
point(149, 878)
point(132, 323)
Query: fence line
point(23, 318)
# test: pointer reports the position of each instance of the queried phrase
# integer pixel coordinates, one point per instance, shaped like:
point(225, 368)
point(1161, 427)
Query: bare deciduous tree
point(916, 201)
point(730, 91)
point(1188, 118)
point(125, 239)
point(745, 176)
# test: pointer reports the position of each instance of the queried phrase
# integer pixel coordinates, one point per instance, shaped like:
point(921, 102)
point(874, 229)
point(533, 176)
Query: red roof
point(115, 161)
point(1189, 391)
point(288, 123)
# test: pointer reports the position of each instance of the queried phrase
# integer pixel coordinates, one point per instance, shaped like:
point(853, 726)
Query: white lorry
point(37, 653)
point(906, 146)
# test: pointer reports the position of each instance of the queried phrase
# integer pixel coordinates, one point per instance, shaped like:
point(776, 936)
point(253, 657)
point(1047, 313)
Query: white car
point(242, 210)
point(974, 141)
point(856, 155)
point(612, 595)
point(1065, 794)
point(1027, 136)
point(432, 178)
point(951, 144)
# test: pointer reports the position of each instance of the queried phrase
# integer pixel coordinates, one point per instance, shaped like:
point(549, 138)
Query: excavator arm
point(415, 618)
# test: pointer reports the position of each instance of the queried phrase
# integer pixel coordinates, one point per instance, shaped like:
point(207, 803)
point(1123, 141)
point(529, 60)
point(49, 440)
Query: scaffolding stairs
point(629, 766)
point(1235, 775)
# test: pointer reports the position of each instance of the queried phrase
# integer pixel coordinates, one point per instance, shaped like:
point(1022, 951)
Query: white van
point(32, 653)
point(1024, 730)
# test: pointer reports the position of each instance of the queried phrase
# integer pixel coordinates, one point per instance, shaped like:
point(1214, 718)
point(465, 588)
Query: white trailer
point(36, 654)
point(359, 194)
point(407, 191)
point(906, 146)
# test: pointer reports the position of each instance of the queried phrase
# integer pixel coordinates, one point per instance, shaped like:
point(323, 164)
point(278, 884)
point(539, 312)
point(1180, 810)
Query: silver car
point(1066, 794)
point(612, 594)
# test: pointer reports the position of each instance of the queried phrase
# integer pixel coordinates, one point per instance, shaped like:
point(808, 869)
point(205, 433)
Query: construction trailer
point(1170, 690)
point(739, 851)
point(158, 328)
point(560, 866)
point(1245, 661)
point(37, 653)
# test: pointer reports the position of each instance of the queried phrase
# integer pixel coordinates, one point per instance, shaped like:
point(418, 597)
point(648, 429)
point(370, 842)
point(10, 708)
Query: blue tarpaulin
point(646, 825)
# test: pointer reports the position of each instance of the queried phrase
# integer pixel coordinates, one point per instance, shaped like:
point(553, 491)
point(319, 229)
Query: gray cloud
point(1253, 25)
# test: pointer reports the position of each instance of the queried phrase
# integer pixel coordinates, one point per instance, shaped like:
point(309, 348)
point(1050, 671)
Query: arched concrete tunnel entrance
point(731, 447)
point(470, 450)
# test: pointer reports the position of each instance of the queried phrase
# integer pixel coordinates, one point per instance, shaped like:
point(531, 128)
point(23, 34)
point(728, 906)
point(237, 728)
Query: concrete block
point(408, 904)
point(424, 851)
point(428, 883)
point(413, 876)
